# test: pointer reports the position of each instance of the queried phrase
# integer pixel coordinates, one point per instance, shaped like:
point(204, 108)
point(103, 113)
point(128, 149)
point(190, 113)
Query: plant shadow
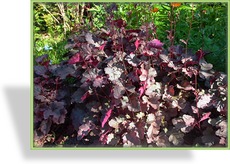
point(20, 112)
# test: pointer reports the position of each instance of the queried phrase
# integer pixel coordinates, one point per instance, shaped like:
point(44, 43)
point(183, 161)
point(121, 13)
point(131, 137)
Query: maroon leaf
point(137, 43)
point(119, 23)
point(190, 63)
point(205, 116)
point(102, 47)
point(155, 43)
point(132, 137)
point(106, 117)
point(142, 89)
point(85, 96)
point(103, 137)
point(141, 129)
point(134, 104)
point(75, 59)
point(200, 54)
point(171, 90)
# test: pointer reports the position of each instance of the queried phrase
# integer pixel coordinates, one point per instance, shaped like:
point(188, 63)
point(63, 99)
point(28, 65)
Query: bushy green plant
point(53, 22)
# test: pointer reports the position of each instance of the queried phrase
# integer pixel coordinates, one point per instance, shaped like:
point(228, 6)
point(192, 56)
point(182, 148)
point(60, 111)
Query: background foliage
point(55, 22)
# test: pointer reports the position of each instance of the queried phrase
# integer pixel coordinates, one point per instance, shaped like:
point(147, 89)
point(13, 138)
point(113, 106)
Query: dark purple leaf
point(62, 93)
point(37, 90)
point(132, 137)
point(58, 112)
point(45, 126)
point(41, 59)
point(41, 98)
point(47, 113)
point(84, 130)
point(141, 129)
point(132, 60)
point(64, 71)
point(118, 91)
point(77, 117)
point(223, 129)
point(111, 139)
point(40, 70)
point(77, 96)
point(134, 104)
point(133, 76)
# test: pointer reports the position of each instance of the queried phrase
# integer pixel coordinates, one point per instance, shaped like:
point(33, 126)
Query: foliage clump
point(120, 87)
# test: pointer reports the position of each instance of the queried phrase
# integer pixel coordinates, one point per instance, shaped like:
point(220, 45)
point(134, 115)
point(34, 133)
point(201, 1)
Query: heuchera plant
point(122, 88)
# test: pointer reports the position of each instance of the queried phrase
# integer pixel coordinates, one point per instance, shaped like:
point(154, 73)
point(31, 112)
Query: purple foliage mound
point(122, 88)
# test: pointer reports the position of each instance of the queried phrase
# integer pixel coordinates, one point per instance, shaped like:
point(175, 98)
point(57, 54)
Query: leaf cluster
point(120, 87)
